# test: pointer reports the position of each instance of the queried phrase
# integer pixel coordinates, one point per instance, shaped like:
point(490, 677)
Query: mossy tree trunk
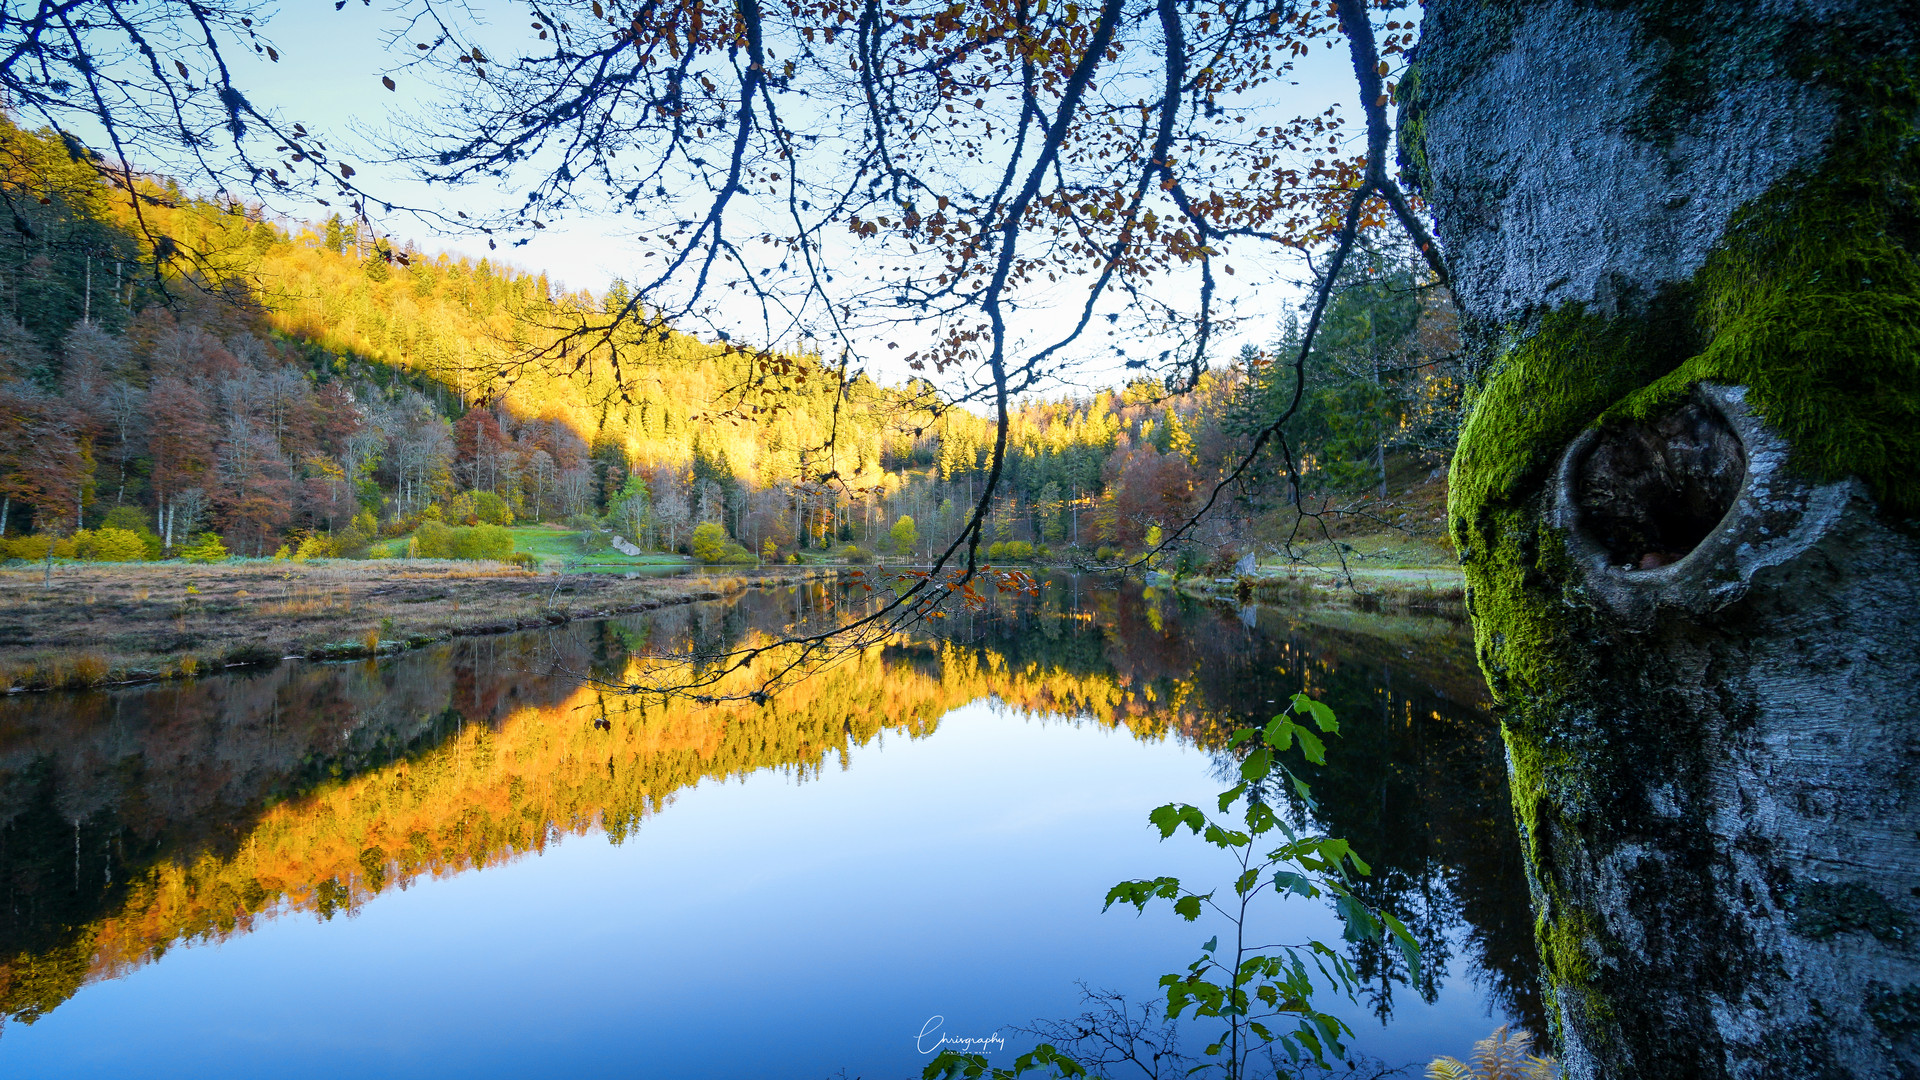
point(1685, 238)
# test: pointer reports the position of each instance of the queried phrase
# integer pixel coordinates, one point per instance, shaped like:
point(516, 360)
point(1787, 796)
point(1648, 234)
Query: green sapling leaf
point(1228, 796)
point(1312, 747)
point(1279, 733)
point(1322, 715)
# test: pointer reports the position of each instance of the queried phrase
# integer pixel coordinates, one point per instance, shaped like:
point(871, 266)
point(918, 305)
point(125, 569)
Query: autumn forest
point(251, 386)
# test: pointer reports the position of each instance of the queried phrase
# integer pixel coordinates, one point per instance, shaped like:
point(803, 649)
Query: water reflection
point(141, 819)
point(1417, 780)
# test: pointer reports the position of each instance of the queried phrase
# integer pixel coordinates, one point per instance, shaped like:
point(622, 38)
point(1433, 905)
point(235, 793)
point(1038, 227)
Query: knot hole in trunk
point(1649, 492)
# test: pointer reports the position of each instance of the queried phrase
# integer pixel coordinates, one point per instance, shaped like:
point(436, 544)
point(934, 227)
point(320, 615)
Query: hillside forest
point(187, 377)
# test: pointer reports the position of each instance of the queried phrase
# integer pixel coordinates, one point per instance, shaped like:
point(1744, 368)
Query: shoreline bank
point(1425, 590)
point(108, 624)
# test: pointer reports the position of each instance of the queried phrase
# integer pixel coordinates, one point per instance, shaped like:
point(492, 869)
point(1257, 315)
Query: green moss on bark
point(1410, 129)
point(1550, 387)
point(1812, 302)
point(1567, 935)
point(1555, 383)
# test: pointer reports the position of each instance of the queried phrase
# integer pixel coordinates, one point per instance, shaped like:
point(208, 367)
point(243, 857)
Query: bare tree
point(419, 451)
point(672, 511)
point(541, 472)
point(710, 500)
point(125, 406)
point(183, 514)
point(575, 486)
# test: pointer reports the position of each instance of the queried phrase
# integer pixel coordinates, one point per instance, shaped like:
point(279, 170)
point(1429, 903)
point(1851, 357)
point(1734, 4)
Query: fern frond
point(1446, 1068)
point(1503, 1054)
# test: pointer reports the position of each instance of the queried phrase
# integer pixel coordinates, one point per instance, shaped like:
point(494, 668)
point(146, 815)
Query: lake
point(469, 861)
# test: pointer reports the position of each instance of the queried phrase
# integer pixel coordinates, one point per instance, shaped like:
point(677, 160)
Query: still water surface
point(441, 865)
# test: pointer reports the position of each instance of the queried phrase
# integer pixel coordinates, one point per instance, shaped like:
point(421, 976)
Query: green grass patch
point(1390, 551)
point(560, 549)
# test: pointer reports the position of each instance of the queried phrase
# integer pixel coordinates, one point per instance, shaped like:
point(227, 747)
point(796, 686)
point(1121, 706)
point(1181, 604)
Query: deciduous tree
point(1686, 245)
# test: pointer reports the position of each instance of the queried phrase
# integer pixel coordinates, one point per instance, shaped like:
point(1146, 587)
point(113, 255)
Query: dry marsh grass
point(82, 670)
point(285, 609)
point(112, 622)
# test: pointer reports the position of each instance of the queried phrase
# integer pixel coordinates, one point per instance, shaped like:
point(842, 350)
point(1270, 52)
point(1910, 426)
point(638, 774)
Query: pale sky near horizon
point(328, 77)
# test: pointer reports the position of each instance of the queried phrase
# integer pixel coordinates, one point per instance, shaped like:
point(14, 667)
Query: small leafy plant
point(1264, 993)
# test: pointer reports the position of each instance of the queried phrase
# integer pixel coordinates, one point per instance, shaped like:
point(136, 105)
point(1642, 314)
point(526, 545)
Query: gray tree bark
point(1684, 240)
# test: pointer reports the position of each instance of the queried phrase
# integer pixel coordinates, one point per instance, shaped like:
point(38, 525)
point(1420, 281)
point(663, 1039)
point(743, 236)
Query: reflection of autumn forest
point(141, 819)
point(272, 383)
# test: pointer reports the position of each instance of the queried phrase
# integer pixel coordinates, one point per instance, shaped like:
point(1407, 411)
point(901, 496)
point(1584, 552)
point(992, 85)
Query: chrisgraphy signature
point(965, 1045)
